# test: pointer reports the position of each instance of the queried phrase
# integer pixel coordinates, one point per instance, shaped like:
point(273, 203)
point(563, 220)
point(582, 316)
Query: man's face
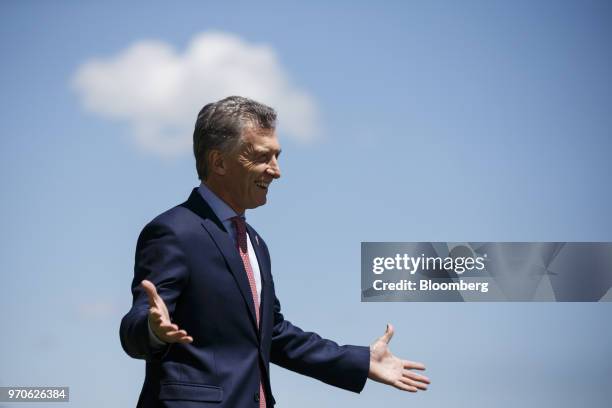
point(251, 167)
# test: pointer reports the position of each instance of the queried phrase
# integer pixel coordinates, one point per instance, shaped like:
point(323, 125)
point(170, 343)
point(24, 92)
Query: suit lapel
point(230, 253)
point(222, 239)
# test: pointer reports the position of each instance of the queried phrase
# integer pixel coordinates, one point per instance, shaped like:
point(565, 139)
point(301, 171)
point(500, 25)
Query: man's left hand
point(388, 369)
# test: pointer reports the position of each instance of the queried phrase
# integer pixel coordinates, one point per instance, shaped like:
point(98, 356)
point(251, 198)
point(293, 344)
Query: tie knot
point(240, 225)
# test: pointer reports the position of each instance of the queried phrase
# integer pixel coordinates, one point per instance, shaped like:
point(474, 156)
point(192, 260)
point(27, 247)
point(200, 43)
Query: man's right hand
point(159, 318)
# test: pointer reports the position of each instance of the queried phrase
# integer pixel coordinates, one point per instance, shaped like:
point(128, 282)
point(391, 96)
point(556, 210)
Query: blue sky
point(481, 121)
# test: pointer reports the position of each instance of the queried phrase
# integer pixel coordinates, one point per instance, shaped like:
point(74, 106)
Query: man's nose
point(274, 169)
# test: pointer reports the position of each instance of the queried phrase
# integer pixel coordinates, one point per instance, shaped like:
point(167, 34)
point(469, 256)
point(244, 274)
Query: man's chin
point(258, 203)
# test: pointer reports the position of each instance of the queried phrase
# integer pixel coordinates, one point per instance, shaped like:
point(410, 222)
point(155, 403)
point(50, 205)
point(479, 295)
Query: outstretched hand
point(159, 318)
point(388, 369)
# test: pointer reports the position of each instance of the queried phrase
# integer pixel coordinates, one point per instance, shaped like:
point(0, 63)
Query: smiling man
point(205, 315)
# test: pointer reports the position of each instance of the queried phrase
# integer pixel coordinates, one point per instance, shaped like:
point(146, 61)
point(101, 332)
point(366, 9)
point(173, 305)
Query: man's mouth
point(263, 185)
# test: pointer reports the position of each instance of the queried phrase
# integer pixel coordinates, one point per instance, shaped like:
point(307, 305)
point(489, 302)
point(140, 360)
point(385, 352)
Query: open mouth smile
point(262, 184)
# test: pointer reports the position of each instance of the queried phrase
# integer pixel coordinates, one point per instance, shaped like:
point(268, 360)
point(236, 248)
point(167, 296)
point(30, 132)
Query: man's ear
point(217, 162)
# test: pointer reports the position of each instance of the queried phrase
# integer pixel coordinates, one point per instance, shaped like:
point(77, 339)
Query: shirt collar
point(223, 211)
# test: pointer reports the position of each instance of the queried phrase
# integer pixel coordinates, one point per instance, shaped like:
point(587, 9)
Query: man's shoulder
point(173, 217)
point(178, 219)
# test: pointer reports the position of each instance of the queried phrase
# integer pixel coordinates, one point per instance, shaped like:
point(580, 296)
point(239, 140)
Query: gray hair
point(219, 126)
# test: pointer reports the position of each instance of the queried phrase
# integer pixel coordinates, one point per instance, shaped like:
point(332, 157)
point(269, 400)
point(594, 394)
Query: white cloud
point(159, 91)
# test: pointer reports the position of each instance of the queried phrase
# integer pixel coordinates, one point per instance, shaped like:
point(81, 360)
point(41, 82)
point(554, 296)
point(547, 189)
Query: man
point(205, 315)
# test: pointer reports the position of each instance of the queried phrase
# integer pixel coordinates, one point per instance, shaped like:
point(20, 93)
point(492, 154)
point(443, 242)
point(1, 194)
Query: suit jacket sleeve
point(307, 353)
point(159, 259)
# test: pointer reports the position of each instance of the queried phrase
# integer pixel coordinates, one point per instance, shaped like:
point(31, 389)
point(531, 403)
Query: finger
point(419, 385)
point(155, 314)
point(157, 320)
point(176, 336)
point(405, 387)
point(168, 327)
point(173, 330)
point(150, 290)
point(413, 365)
point(416, 377)
point(415, 383)
point(155, 317)
point(388, 334)
point(186, 340)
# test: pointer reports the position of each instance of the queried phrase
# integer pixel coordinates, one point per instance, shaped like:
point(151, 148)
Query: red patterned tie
point(241, 242)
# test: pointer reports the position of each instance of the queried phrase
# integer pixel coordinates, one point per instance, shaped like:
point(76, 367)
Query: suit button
point(256, 397)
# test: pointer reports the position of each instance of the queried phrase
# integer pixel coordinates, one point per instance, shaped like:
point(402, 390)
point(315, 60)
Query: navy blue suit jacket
point(192, 260)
